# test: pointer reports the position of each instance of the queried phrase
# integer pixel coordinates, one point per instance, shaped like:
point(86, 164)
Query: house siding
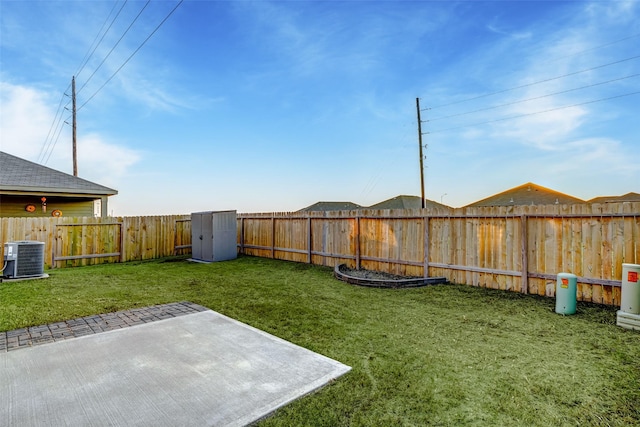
point(15, 206)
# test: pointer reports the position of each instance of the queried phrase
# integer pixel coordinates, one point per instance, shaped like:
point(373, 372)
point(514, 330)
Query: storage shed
point(214, 236)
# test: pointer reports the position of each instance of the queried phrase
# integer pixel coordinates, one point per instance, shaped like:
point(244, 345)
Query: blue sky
point(265, 106)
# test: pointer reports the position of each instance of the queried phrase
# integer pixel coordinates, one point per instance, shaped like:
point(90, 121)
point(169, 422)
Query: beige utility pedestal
point(629, 314)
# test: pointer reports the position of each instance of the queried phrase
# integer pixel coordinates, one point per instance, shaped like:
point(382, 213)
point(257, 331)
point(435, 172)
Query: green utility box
point(566, 293)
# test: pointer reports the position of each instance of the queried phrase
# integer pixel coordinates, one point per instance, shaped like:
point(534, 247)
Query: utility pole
point(421, 156)
point(73, 125)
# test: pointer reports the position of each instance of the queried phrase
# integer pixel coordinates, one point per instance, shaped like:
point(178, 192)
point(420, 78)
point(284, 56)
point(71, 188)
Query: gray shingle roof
point(398, 202)
point(331, 206)
point(406, 202)
point(629, 197)
point(17, 174)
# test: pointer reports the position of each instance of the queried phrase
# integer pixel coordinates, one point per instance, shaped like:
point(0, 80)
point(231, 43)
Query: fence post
point(242, 236)
point(525, 256)
point(309, 240)
point(273, 237)
point(357, 241)
point(54, 246)
point(426, 247)
point(122, 240)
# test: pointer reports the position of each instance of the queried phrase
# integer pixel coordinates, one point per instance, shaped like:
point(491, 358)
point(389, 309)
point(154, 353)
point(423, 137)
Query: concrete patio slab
point(200, 369)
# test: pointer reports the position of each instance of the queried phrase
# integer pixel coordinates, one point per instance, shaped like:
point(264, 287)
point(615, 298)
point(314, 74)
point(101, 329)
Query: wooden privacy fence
point(519, 248)
point(85, 241)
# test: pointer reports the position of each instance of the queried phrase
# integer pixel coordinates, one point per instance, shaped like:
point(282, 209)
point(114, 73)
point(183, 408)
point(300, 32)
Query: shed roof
point(18, 176)
point(527, 194)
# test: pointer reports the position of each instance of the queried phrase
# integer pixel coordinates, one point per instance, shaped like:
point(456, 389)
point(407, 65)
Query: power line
point(57, 128)
point(43, 150)
point(50, 144)
point(532, 99)
point(131, 56)
point(535, 113)
point(89, 55)
point(598, 47)
point(379, 170)
point(538, 82)
point(115, 45)
point(562, 57)
point(56, 140)
point(49, 147)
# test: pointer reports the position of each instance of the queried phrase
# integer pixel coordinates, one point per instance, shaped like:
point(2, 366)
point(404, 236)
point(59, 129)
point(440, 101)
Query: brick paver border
point(36, 335)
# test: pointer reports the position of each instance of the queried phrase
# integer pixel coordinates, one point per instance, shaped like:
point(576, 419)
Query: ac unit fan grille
point(30, 260)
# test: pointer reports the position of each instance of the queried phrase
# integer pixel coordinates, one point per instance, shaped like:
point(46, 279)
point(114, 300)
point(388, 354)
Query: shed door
point(196, 240)
point(224, 241)
point(201, 236)
point(207, 237)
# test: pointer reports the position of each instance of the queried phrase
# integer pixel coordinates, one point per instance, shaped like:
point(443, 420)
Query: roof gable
point(17, 174)
point(527, 194)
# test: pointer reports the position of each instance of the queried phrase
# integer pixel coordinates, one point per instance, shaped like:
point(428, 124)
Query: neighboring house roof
point(527, 194)
point(629, 197)
point(406, 202)
point(398, 202)
point(22, 176)
point(331, 206)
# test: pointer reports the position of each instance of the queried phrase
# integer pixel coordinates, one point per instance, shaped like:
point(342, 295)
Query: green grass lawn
point(438, 355)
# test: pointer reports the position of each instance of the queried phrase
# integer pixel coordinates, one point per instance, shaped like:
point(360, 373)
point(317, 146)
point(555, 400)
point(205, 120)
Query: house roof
point(629, 197)
point(20, 176)
point(406, 202)
point(398, 202)
point(527, 194)
point(331, 206)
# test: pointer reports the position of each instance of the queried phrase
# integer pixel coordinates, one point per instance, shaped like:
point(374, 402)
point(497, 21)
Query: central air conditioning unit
point(23, 259)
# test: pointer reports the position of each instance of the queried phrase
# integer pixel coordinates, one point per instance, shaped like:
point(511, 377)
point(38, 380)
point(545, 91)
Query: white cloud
point(494, 28)
point(152, 94)
point(545, 131)
point(596, 155)
point(27, 116)
point(103, 161)
point(549, 122)
point(278, 30)
point(24, 121)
